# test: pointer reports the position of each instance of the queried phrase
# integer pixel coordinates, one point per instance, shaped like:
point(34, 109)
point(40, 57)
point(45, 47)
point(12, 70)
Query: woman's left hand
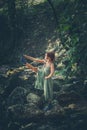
point(46, 77)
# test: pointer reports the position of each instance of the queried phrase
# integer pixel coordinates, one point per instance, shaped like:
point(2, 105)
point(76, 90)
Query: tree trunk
point(54, 11)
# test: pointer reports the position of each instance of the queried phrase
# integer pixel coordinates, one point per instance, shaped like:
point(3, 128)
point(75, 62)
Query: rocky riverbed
point(22, 107)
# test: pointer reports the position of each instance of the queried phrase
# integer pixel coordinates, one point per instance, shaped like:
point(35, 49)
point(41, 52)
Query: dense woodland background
point(36, 26)
point(26, 22)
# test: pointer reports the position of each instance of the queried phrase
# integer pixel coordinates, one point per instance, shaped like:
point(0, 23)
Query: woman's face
point(46, 57)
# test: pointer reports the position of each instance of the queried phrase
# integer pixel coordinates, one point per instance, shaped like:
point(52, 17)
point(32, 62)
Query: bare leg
point(32, 67)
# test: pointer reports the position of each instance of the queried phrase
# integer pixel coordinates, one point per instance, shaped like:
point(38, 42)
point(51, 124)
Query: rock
point(65, 98)
point(17, 96)
point(33, 98)
point(24, 112)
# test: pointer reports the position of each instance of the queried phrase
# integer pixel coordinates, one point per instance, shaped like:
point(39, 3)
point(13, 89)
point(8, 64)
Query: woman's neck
point(49, 61)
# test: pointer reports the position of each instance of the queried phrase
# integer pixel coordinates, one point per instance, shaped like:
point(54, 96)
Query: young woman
point(44, 74)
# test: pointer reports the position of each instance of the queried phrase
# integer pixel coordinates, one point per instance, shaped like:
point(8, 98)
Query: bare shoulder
point(52, 65)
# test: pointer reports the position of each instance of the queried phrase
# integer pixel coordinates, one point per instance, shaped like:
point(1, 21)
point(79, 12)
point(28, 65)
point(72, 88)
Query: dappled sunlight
point(24, 73)
point(35, 2)
point(13, 71)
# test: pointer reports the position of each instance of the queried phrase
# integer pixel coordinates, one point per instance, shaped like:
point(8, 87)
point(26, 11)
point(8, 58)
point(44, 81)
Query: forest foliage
point(71, 23)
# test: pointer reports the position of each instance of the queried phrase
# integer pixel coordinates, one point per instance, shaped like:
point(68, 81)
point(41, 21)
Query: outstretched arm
point(34, 59)
point(34, 69)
